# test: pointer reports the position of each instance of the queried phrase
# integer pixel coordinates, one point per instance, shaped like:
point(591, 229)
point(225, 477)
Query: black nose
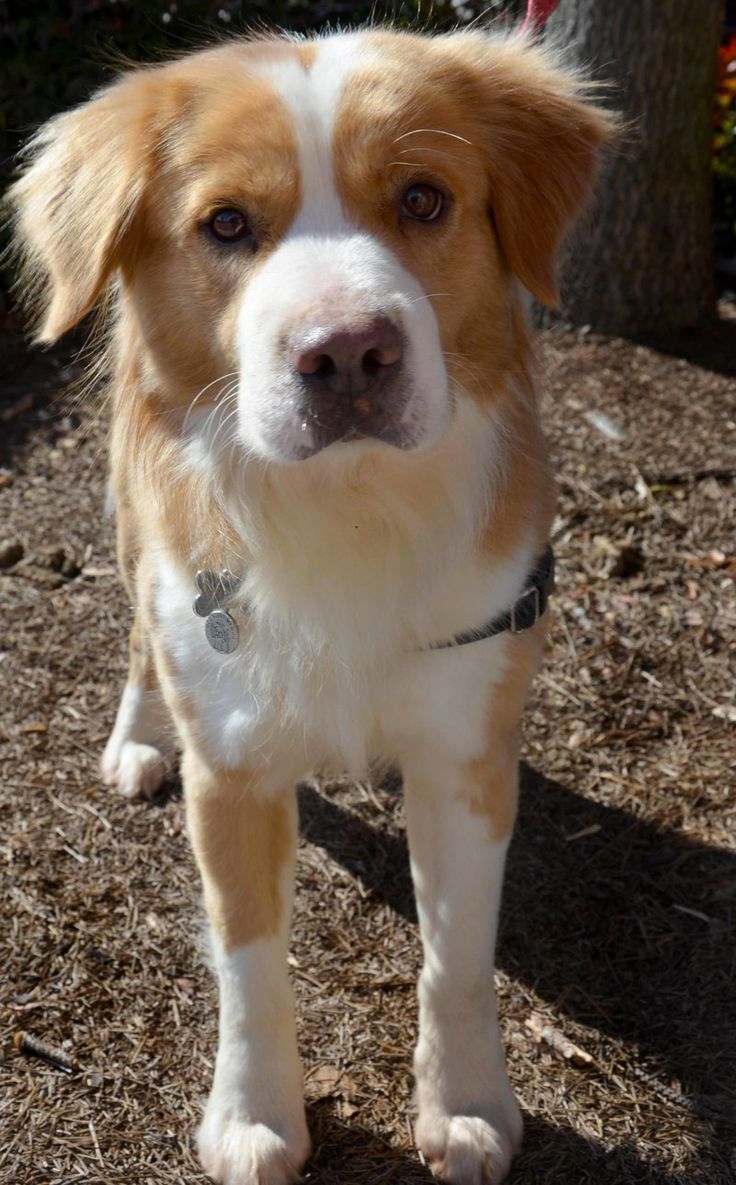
point(348, 361)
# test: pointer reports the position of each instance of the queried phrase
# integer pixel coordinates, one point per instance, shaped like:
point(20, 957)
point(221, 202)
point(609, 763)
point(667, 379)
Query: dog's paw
point(136, 770)
point(470, 1149)
point(234, 1152)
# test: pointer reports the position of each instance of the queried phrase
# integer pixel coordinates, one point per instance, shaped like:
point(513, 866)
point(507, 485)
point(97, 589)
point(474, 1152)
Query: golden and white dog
point(321, 382)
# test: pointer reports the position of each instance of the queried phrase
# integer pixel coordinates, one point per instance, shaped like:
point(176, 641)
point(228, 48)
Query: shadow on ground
point(625, 929)
point(345, 1152)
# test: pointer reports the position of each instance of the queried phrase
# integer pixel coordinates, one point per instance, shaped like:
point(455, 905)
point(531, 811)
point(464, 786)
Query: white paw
point(139, 752)
point(135, 769)
point(471, 1149)
point(234, 1152)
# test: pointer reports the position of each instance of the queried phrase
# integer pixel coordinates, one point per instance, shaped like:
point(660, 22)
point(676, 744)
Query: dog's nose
point(349, 360)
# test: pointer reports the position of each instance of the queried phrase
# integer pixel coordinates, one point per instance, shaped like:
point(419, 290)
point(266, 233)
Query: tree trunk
point(641, 259)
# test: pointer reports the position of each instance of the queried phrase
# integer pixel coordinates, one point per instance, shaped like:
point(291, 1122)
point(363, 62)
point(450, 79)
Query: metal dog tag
point(214, 590)
point(221, 631)
point(207, 600)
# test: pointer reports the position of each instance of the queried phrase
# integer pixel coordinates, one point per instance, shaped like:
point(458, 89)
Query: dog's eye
point(229, 226)
point(423, 203)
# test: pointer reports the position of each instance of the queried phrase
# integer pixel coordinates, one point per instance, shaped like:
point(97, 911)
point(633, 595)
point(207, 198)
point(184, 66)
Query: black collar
point(523, 614)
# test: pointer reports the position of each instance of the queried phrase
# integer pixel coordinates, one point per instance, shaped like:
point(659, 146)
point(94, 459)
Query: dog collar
point(523, 614)
point(214, 590)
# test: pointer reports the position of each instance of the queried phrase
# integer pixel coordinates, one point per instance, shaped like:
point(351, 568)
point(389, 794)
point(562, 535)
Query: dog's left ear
point(76, 203)
point(542, 139)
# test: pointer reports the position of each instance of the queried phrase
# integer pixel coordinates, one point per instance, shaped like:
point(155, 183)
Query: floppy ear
point(542, 139)
point(76, 202)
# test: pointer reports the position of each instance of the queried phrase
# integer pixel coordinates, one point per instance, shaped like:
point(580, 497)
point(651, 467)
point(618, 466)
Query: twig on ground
point(33, 1046)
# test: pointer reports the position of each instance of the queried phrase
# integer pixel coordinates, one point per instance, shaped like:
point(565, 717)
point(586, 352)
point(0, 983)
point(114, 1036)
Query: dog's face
point(333, 226)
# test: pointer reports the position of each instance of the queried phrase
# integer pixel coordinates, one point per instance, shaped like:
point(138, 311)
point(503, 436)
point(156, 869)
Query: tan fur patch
point(523, 505)
point(243, 842)
point(141, 672)
point(493, 779)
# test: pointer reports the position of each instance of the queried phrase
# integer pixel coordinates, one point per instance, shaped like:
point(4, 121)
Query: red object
point(537, 14)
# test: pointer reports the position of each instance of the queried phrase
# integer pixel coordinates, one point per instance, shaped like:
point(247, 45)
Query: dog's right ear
point(76, 203)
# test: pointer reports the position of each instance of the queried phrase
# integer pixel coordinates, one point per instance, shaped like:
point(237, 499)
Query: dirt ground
point(617, 930)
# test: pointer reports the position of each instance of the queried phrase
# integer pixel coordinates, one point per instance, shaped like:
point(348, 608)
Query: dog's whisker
point(462, 361)
point(222, 378)
point(232, 415)
point(433, 132)
point(406, 164)
point(430, 296)
point(427, 148)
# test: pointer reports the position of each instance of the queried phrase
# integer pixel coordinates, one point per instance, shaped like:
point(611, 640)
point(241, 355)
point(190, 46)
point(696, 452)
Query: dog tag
point(207, 600)
point(203, 605)
point(214, 590)
point(206, 581)
point(221, 631)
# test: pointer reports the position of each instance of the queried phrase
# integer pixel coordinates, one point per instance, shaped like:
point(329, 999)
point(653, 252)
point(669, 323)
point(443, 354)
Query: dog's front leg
point(254, 1130)
point(460, 815)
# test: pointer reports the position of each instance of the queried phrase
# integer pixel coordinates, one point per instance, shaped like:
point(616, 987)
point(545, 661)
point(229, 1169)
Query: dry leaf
point(324, 1081)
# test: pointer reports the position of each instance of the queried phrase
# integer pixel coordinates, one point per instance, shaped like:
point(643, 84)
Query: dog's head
point(336, 225)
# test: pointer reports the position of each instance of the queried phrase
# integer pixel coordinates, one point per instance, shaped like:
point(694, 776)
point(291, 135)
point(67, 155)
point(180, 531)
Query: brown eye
point(229, 226)
point(423, 202)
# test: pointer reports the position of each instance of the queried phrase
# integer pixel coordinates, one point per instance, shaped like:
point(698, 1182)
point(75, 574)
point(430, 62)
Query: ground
point(617, 931)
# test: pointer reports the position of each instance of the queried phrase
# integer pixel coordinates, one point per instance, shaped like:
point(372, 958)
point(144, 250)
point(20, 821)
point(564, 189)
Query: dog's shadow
point(620, 923)
point(552, 1155)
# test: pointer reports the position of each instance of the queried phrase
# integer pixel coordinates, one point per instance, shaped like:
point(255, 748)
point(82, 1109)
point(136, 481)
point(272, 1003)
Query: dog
point(332, 492)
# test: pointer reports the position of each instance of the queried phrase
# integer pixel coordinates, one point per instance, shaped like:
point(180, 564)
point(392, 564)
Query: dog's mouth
point(363, 419)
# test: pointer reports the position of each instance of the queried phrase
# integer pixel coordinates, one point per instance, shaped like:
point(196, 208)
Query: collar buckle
point(514, 626)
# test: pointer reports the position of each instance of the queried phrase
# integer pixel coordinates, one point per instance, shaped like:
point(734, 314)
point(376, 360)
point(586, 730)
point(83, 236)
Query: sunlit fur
point(354, 560)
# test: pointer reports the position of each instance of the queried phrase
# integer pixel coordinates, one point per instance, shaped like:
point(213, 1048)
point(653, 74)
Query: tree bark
point(641, 259)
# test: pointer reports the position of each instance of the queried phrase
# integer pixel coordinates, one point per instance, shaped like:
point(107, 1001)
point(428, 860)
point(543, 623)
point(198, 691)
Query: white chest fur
point(336, 608)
